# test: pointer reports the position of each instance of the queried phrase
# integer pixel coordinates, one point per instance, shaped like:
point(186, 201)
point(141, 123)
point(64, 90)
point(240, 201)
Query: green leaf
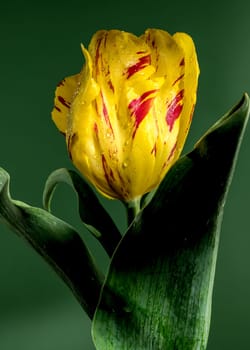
point(57, 242)
point(92, 213)
point(159, 287)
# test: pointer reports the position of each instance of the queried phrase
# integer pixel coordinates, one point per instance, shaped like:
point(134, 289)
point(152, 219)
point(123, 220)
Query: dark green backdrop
point(39, 45)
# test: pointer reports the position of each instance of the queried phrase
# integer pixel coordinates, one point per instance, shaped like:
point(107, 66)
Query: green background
point(39, 45)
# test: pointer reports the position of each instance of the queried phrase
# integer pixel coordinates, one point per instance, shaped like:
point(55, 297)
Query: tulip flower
point(125, 118)
point(126, 115)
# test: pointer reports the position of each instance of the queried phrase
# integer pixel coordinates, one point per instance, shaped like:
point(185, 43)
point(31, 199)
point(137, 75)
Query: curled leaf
point(92, 213)
point(57, 242)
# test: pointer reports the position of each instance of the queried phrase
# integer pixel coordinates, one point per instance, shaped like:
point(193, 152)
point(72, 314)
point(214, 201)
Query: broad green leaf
point(158, 292)
point(92, 213)
point(57, 242)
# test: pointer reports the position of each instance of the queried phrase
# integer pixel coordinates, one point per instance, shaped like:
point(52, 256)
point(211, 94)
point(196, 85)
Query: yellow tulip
point(126, 115)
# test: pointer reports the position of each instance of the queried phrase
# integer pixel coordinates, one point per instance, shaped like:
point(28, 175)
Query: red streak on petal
point(140, 107)
point(70, 141)
point(108, 173)
point(142, 63)
point(182, 63)
point(174, 109)
point(63, 101)
point(178, 79)
point(191, 114)
point(111, 174)
point(105, 111)
point(172, 151)
point(135, 104)
point(58, 109)
point(106, 115)
point(98, 56)
point(105, 40)
point(105, 168)
point(61, 83)
point(111, 85)
point(141, 112)
point(154, 149)
point(96, 129)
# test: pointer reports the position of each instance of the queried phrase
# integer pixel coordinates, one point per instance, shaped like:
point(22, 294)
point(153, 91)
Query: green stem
point(133, 208)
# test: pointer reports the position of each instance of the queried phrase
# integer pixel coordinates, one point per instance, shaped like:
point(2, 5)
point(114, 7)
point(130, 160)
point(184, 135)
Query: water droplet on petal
point(109, 133)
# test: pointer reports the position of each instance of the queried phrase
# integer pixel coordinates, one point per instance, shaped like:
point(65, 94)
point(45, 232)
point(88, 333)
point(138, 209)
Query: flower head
point(126, 115)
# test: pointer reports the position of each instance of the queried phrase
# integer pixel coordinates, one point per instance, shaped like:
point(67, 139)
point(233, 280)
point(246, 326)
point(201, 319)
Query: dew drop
point(109, 133)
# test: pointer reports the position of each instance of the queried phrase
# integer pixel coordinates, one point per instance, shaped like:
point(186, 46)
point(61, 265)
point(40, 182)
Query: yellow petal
point(190, 82)
point(63, 98)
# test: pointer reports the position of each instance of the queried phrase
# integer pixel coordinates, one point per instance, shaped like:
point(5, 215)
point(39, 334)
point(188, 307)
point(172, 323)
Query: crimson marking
point(106, 115)
point(154, 149)
point(191, 114)
point(108, 173)
point(142, 63)
point(61, 83)
point(105, 168)
point(172, 151)
point(63, 101)
point(140, 107)
point(58, 109)
point(178, 79)
point(97, 55)
point(96, 129)
point(174, 109)
point(111, 86)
